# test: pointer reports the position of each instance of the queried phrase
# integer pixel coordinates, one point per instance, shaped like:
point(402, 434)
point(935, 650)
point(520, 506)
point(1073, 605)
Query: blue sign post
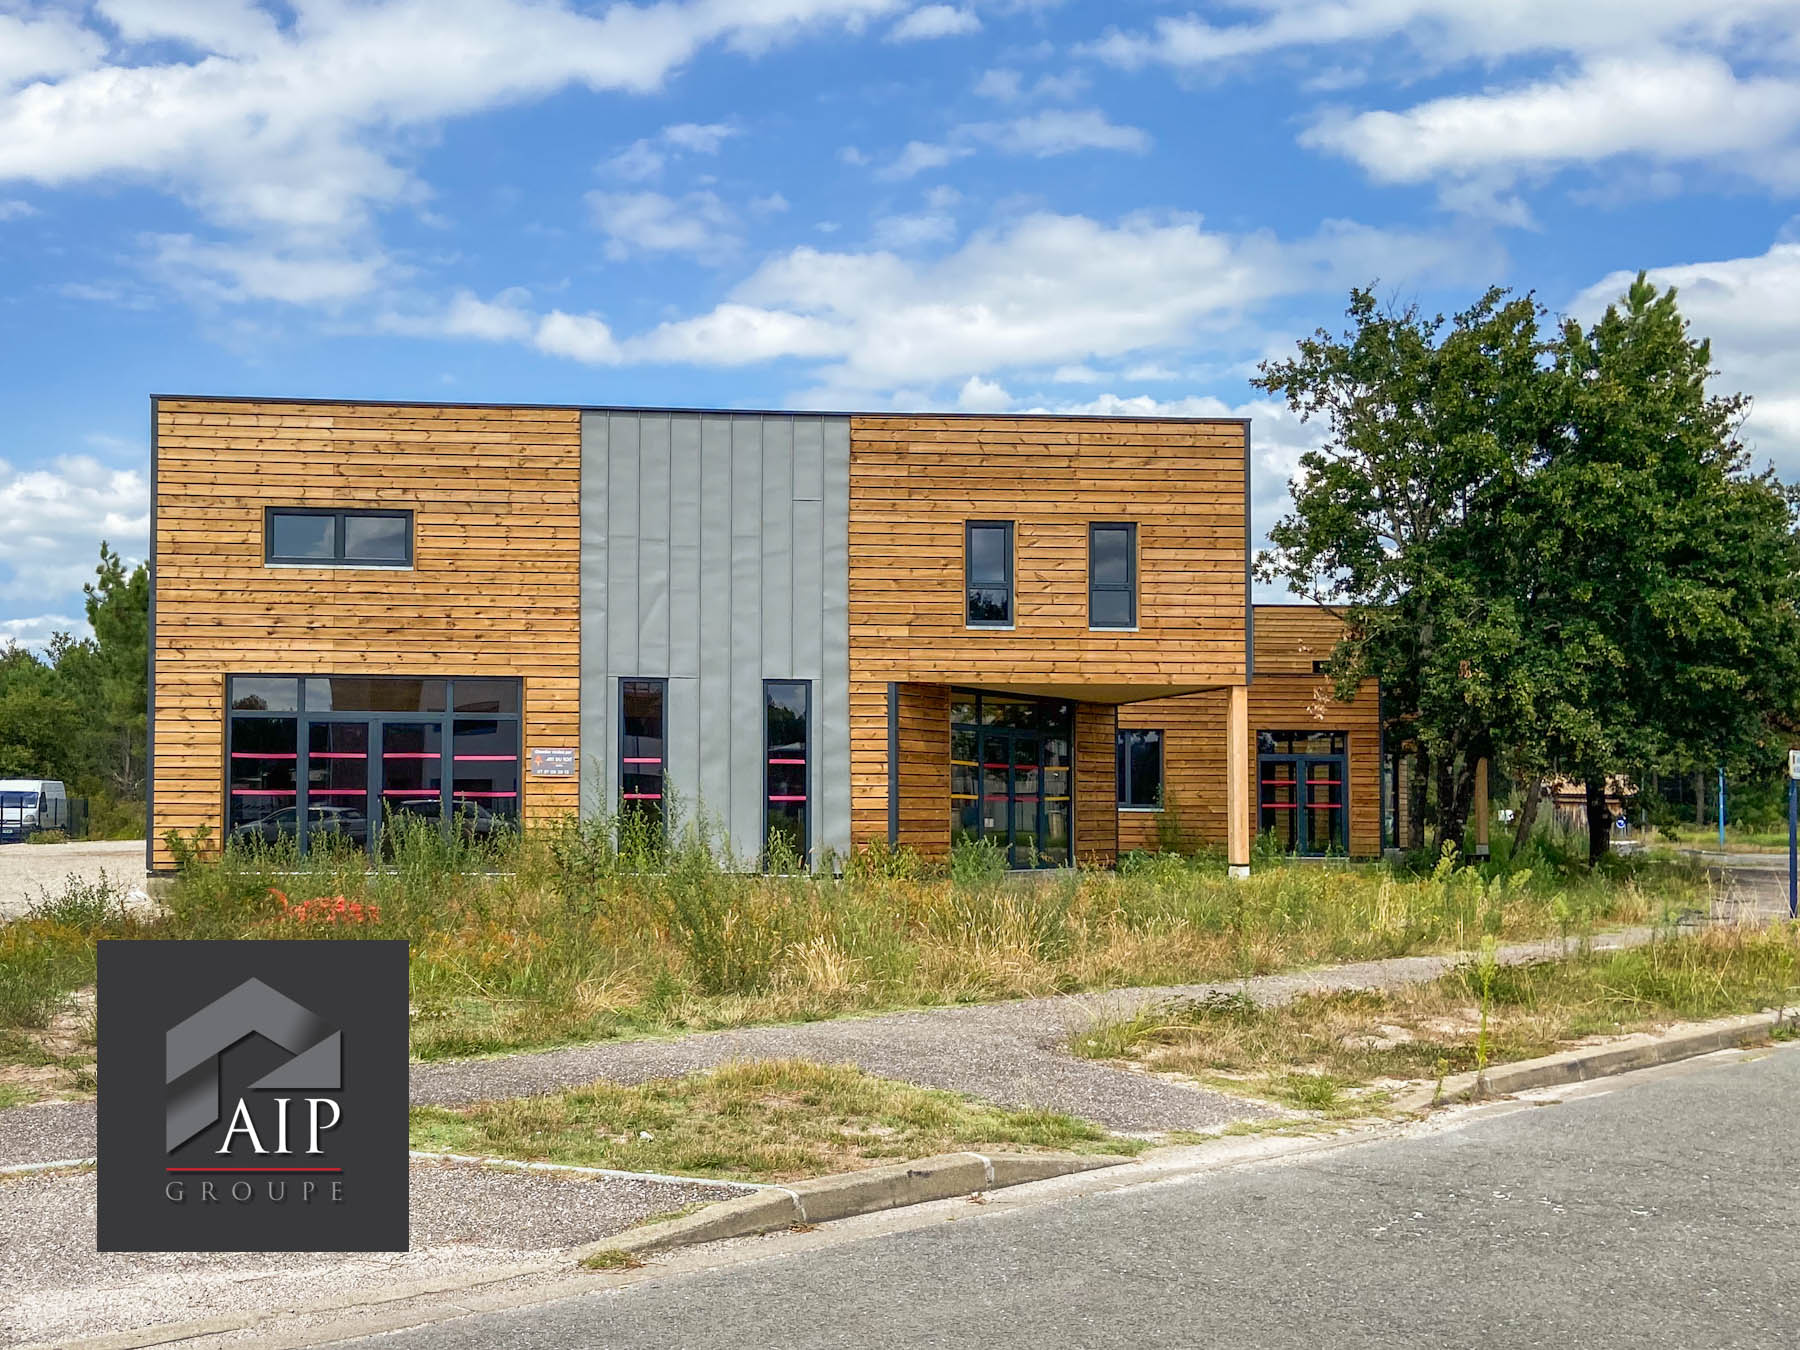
point(1721, 808)
point(1794, 834)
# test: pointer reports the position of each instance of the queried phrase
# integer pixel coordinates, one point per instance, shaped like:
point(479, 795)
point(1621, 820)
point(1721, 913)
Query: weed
point(613, 1258)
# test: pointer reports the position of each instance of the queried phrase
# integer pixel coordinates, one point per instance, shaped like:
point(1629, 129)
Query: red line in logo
point(252, 1169)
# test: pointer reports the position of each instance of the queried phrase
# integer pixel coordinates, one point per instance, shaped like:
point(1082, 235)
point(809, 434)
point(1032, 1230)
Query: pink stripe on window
point(787, 761)
point(248, 754)
point(774, 798)
point(484, 759)
point(484, 794)
point(643, 796)
point(411, 754)
point(629, 760)
point(336, 792)
point(263, 792)
point(409, 792)
point(338, 754)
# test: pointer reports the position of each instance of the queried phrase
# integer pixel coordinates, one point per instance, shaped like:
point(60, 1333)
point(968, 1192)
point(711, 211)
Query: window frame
point(662, 796)
point(338, 515)
point(1129, 587)
point(806, 752)
point(1011, 583)
point(1122, 767)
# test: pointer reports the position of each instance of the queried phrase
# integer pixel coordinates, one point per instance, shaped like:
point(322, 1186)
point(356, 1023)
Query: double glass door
point(1012, 785)
point(1301, 803)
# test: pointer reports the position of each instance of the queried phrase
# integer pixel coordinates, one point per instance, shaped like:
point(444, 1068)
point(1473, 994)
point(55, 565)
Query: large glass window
point(1112, 576)
point(1140, 769)
point(1011, 775)
point(988, 571)
point(326, 537)
point(787, 748)
point(330, 759)
point(642, 750)
point(1302, 780)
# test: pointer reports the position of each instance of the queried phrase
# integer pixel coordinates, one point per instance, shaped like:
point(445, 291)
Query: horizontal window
point(1301, 742)
point(1140, 768)
point(333, 538)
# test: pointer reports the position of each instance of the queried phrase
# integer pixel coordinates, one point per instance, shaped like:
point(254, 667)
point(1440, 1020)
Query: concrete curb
point(823, 1199)
point(1643, 1051)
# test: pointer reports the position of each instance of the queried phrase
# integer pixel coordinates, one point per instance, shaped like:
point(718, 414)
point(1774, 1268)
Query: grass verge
point(1335, 1053)
point(763, 1120)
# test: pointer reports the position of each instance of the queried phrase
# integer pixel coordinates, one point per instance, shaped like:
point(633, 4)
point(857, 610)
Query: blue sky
point(988, 205)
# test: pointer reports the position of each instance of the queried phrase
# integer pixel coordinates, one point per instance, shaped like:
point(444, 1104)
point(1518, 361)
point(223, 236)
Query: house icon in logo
point(251, 1009)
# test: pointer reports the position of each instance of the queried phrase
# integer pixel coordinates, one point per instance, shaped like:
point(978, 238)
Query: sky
point(990, 205)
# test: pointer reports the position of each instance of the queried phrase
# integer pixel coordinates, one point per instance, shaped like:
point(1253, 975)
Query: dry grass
point(1327, 1052)
point(764, 1120)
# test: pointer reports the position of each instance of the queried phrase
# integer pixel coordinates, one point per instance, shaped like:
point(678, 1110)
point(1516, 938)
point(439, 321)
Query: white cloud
point(1750, 308)
point(37, 631)
point(1076, 375)
point(232, 274)
point(698, 138)
point(45, 47)
point(942, 197)
point(1665, 107)
point(1055, 131)
point(772, 205)
point(905, 232)
point(579, 337)
point(979, 395)
point(52, 519)
point(1449, 31)
point(502, 319)
point(16, 210)
point(646, 157)
point(735, 335)
point(934, 21)
point(698, 224)
point(1000, 84)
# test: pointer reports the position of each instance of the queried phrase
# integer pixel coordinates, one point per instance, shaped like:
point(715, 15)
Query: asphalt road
point(1663, 1210)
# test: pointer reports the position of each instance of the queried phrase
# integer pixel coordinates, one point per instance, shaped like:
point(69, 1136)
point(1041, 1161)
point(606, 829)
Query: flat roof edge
point(694, 411)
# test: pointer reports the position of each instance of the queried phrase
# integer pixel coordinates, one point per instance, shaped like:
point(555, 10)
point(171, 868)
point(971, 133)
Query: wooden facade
point(494, 588)
point(915, 483)
point(1286, 695)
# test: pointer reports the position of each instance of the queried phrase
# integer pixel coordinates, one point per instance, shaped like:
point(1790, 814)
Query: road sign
point(1794, 764)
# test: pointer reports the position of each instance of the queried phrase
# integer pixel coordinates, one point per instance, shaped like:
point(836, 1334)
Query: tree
point(1547, 548)
point(118, 610)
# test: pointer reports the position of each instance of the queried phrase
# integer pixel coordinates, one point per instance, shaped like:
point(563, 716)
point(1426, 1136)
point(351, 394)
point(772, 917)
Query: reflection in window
point(1112, 576)
point(988, 567)
point(786, 746)
point(484, 773)
point(642, 750)
point(260, 780)
point(1140, 768)
point(326, 537)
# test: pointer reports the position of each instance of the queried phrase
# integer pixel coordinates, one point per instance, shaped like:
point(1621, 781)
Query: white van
point(28, 805)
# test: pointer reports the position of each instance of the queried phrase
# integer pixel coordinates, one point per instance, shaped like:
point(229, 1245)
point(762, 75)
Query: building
point(831, 629)
point(1315, 762)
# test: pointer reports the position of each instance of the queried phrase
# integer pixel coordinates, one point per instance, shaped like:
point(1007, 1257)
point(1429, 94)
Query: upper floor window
point(1112, 576)
point(988, 569)
point(332, 538)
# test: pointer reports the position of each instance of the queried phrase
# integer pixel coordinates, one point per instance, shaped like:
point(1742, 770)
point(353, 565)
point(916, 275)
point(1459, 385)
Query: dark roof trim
point(716, 412)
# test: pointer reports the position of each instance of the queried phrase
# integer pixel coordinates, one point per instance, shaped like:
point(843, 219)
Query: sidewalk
point(1008, 1053)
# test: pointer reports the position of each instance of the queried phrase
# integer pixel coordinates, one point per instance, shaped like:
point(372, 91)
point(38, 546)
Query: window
point(1140, 770)
point(787, 719)
point(1112, 576)
point(988, 569)
point(329, 538)
point(642, 754)
point(335, 760)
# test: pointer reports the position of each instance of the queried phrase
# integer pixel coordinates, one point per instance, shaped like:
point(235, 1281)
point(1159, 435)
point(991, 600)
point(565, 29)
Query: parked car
point(471, 817)
point(320, 821)
point(28, 805)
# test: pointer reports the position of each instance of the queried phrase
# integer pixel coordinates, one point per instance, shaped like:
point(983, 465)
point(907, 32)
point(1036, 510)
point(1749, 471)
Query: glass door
point(337, 785)
point(1300, 801)
point(1027, 799)
point(1057, 849)
point(1278, 802)
point(1323, 817)
point(412, 771)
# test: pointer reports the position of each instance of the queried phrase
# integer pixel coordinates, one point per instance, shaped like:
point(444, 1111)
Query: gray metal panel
point(596, 712)
point(744, 814)
point(714, 786)
point(834, 606)
point(715, 554)
point(653, 544)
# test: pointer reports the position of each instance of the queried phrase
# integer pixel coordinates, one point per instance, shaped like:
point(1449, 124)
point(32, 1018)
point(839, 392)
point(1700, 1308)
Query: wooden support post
point(1238, 772)
point(1480, 808)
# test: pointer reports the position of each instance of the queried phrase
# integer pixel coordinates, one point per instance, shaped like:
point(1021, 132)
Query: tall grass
point(596, 928)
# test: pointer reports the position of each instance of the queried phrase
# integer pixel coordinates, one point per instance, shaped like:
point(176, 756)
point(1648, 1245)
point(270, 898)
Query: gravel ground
point(27, 869)
point(54, 1286)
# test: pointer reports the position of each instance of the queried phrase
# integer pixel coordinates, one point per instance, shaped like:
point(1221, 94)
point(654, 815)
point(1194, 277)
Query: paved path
point(1655, 1213)
point(1008, 1053)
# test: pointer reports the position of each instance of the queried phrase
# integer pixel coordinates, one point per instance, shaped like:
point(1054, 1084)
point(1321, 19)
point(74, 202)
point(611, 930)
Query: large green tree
point(118, 610)
point(1545, 543)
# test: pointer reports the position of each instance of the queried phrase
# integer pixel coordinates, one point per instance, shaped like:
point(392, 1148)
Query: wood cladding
point(915, 482)
point(494, 588)
point(1096, 784)
point(1290, 638)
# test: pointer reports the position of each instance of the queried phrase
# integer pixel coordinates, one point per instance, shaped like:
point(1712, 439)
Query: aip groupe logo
point(252, 1096)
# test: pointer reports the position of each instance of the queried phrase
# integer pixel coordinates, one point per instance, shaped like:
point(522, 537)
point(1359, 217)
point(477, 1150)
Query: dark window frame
point(1122, 767)
point(1129, 587)
point(662, 798)
point(806, 816)
point(338, 515)
point(304, 718)
point(1010, 584)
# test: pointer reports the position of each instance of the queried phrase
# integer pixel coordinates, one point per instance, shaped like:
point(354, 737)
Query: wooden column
point(1238, 772)
point(1480, 808)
